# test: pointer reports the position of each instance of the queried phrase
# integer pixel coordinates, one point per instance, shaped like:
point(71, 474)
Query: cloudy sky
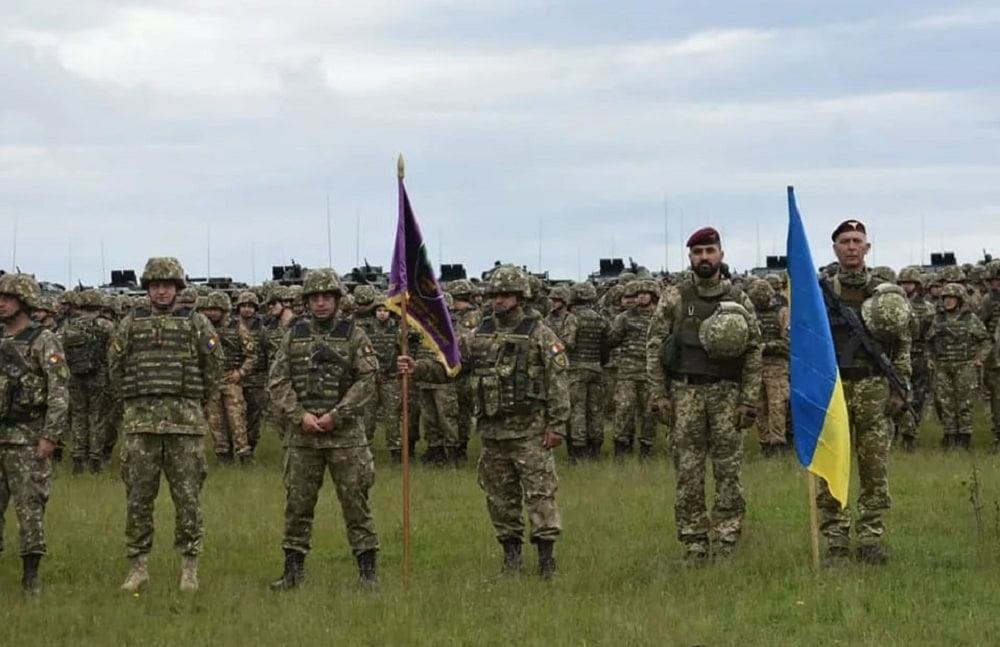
point(547, 130)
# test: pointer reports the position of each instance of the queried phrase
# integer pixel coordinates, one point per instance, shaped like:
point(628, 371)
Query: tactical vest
point(633, 346)
point(85, 345)
point(232, 345)
point(321, 365)
point(23, 388)
point(385, 339)
point(259, 334)
point(951, 338)
point(690, 358)
point(162, 358)
point(591, 342)
point(850, 354)
point(770, 328)
point(503, 379)
point(274, 333)
point(920, 323)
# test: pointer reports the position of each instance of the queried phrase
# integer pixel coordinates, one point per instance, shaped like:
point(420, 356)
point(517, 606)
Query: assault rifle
point(871, 346)
point(12, 368)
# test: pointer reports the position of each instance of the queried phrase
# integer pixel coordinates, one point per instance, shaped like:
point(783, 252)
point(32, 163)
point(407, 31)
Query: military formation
point(680, 365)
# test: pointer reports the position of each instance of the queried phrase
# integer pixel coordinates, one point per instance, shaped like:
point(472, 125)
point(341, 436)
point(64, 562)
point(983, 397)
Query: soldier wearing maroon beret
point(870, 404)
point(703, 364)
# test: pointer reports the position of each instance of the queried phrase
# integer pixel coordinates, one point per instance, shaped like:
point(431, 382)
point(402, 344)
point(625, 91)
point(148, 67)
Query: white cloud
point(981, 17)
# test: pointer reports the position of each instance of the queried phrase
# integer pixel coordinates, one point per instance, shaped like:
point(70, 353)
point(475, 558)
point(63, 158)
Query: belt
point(853, 373)
point(697, 379)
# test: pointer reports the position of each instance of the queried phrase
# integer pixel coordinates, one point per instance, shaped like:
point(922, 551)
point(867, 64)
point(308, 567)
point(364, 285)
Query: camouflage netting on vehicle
point(726, 333)
point(887, 312)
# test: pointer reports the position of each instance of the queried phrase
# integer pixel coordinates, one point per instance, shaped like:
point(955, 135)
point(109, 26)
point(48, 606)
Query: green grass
point(620, 582)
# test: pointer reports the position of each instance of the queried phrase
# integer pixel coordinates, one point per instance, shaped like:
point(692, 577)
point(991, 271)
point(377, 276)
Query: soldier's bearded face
point(323, 305)
point(705, 260)
point(504, 303)
point(9, 307)
point(162, 293)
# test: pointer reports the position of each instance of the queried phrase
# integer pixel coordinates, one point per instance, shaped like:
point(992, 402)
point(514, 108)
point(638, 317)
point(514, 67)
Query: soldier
point(920, 382)
point(989, 312)
point(704, 364)
point(85, 341)
point(774, 393)
point(276, 321)
point(165, 365)
point(438, 403)
point(385, 337)
point(518, 369)
point(468, 318)
point(586, 433)
point(33, 378)
point(46, 312)
point(562, 322)
point(227, 409)
point(614, 304)
point(957, 346)
point(631, 399)
point(255, 382)
point(323, 380)
point(364, 318)
point(870, 404)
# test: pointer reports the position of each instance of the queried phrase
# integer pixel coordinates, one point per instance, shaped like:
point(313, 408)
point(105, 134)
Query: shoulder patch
point(555, 349)
point(367, 349)
point(55, 359)
point(211, 343)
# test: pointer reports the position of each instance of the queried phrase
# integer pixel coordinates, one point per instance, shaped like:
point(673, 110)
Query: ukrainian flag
point(819, 410)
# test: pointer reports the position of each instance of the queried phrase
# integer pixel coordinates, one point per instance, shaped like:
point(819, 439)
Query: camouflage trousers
point(353, 472)
point(88, 426)
point(466, 408)
point(179, 457)
point(226, 413)
point(609, 381)
point(256, 398)
point(705, 429)
point(870, 436)
point(515, 474)
point(920, 389)
point(26, 480)
point(586, 398)
point(111, 429)
point(991, 379)
point(390, 410)
point(954, 391)
point(632, 406)
point(772, 416)
point(439, 413)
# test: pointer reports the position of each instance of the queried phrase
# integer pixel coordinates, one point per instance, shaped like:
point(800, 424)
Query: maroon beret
point(848, 225)
point(704, 236)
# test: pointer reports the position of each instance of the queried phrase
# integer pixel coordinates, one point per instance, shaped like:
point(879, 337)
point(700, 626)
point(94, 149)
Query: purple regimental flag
point(411, 280)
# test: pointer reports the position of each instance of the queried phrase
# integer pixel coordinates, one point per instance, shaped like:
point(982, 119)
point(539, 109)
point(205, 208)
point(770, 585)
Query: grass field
point(619, 583)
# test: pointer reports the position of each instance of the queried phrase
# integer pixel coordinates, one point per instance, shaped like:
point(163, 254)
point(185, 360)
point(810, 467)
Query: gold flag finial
point(399, 167)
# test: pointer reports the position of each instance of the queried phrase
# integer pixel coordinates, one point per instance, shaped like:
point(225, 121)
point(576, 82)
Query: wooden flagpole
point(404, 349)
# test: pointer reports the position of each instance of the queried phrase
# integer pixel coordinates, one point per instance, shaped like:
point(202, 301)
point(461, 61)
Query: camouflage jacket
point(564, 326)
point(39, 389)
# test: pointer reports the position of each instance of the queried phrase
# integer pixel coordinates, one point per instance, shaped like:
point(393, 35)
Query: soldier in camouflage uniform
point(468, 317)
point(704, 364)
point(631, 398)
point(276, 321)
point(34, 400)
point(323, 380)
point(364, 318)
point(614, 304)
point(920, 380)
point(562, 322)
point(165, 364)
point(385, 337)
point(958, 344)
point(85, 341)
point(255, 382)
point(438, 404)
point(46, 313)
point(227, 409)
point(519, 373)
point(871, 405)
point(989, 312)
point(586, 431)
point(774, 392)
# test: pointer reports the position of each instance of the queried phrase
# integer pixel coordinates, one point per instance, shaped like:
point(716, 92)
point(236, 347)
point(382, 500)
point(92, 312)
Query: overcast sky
point(214, 130)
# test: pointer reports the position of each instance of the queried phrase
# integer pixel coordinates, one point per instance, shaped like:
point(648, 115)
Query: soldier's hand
point(405, 364)
point(327, 422)
point(45, 448)
point(664, 409)
point(310, 424)
point(234, 377)
point(895, 405)
point(551, 440)
point(930, 365)
point(746, 415)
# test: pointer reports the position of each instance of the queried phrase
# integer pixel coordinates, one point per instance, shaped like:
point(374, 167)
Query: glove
point(895, 405)
point(746, 415)
point(664, 409)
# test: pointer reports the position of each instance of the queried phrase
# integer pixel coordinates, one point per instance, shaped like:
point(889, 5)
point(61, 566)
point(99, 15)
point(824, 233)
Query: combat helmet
point(536, 289)
point(321, 280)
point(187, 296)
point(626, 277)
point(461, 289)
point(909, 274)
point(346, 304)
point(775, 281)
point(508, 279)
point(647, 286)
point(22, 286)
point(247, 297)
point(761, 294)
point(560, 293)
point(163, 268)
point(449, 300)
point(952, 274)
point(584, 292)
point(956, 290)
point(364, 295)
point(885, 273)
point(725, 334)
point(887, 312)
point(219, 300)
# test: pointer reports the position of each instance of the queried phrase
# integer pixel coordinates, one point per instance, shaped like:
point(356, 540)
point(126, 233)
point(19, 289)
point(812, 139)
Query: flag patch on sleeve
point(555, 349)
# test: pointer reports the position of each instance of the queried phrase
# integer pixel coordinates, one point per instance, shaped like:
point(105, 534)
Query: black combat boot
point(511, 555)
point(872, 554)
point(645, 451)
point(368, 569)
point(594, 449)
point(909, 444)
point(57, 454)
point(623, 448)
point(996, 443)
point(546, 560)
point(396, 456)
point(224, 459)
point(964, 441)
point(30, 583)
point(78, 466)
point(294, 573)
point(836, 555)
point(96, 465)
point(434, 457)
point(460, 455)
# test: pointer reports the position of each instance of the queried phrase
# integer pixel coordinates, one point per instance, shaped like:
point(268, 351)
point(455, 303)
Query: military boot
point(396, 456)
point(78, 466)
point(623, 448)
point(294, 573)
point(434, 457)
point(836, 555)
point(645, 451)
point(189, 573)
point(511, 556)
point(996, 443)
point(872, 554)
point(460, 455)
point(368, 569)
point(96, 465)
point(137, 576)
point(964, 441)
point(30, 583)
point(909, 444)
point(546, 560)
point(594, 449)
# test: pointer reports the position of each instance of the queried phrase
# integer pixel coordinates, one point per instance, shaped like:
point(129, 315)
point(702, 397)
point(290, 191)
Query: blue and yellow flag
point(819, 410)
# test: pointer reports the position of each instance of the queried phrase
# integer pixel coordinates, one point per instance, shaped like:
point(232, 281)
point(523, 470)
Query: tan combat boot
point(189, 573)
point(137, 576)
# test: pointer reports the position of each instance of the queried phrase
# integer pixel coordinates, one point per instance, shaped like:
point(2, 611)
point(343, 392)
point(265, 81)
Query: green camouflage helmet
point(887, 312)
point(187, 296)
point(726, 332)
point(761, 293)
point(584, 292)
point(346, 304)
point(220, 300)
point(90, 299)
point(909, 274)
point(449, 300)
point(364, 295)
point(775, 281)
point(508, 279)
point(626, 277)
point(885, 273)
point(954, 290)
point(647, 286)
point(247, 297)
point(977, 273)
point(46, 303)
point(952, 274)
point(630, 289)
point(320, 281)
point(461, 289)
point(163, 268)
point(379, 301)
point(22, 286)
point(560, 293)
point(536, 289)
point(993, 270)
